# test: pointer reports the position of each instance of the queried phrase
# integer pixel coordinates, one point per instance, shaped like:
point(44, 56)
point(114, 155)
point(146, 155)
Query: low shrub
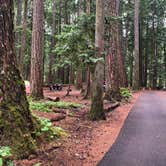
point(125, 93)
point(47, 130)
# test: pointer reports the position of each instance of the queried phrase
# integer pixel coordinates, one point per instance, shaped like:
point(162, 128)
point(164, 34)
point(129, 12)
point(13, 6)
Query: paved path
point(142, 140)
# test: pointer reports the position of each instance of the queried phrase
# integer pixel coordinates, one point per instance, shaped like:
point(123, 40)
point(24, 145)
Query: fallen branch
point(112, 107)
point(74, 116)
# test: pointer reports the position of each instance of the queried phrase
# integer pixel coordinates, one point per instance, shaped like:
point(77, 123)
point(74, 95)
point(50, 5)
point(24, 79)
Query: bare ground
point(87, 142)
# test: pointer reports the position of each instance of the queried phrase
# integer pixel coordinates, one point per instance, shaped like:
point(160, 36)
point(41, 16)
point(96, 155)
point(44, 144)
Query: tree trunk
point(88, 86)
point(88, 80)
point(165, 65)
point(23, 38)
point(37, 51)
point(136, 50)
point(18, 23)
point(79, 79)
point(131, 69)
point(154, 48)
point(120, 54)
point(66, 19)
point(79, 84)
point(59, 18)
point(115, 73)
point(146, 57)
point(141, 58)
point(71, 75)
point(97, 110)
point(88, 6)
point(127, 27)
point(16, 124)
point(52, 55)
point(66, 74)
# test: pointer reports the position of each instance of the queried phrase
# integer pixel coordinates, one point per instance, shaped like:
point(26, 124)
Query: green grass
point(46, 106)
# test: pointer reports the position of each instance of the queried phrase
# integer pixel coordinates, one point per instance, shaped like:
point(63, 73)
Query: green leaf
point(10, 163)
point(5, 151)
point(37, 164)
point(1, 162)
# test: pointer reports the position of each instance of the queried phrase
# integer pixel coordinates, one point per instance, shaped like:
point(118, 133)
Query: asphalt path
point(142, 140)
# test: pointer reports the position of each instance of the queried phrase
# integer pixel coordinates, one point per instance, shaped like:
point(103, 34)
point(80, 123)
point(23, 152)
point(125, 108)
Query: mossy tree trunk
point(16, 123)
point(97, 110)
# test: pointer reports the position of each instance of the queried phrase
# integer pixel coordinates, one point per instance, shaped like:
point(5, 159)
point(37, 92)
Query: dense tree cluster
point(69, 35)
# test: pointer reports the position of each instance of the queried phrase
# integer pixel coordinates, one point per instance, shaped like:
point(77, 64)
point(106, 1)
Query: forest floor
point(87, 141)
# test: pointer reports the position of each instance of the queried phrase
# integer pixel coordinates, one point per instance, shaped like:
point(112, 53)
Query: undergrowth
point(125, 93)
point(46, 106)
point(5, 156)
point(47, 130)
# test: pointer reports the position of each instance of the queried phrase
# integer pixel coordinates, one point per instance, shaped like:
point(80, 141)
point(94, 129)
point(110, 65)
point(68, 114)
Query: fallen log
point(51, 116)
point(54, 100)
point(112, 107)
point(59, 111)
point(57, 117)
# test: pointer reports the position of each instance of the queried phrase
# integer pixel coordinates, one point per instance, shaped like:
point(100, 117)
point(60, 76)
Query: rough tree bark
point(52, 55)
point(88, 86)
point(136, 49)
point(120, 53)
point(23, 38)
point(115, 69)
point(165, 65)
point(88, 80)
point(154, 48)
point(66, 21)
point(97, 110)
point(79, 79)
point(146, 57)
point(18, 23)
point(16, 123)
point(60, 71)
point(127, 27)
point(37, 51)
point(71, 75)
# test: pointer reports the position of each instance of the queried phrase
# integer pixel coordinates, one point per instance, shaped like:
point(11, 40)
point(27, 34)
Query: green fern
point(125, 93)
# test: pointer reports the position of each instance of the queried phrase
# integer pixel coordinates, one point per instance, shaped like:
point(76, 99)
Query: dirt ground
point(87, 142)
